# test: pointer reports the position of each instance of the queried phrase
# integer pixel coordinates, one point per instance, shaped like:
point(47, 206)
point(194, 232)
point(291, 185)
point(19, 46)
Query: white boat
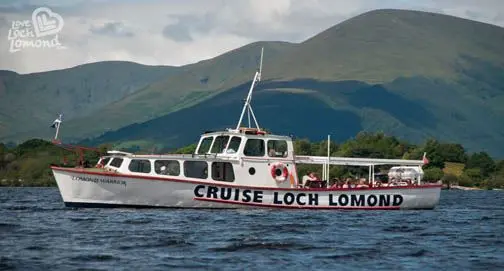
point(243, 167)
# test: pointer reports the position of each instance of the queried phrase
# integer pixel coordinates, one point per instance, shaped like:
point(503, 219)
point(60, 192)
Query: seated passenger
point(312, 177)
point(362, 183)
point(271, 153)
point(348, 183)
point(163, 170)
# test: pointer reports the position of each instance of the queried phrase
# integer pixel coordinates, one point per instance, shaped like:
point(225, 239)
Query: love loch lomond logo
point(39, 32)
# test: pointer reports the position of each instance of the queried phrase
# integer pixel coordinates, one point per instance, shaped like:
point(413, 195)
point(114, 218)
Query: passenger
point(362, 183)
point(163, 170)
point(307, 180)
point(334, 183)
point(348, 183)
point(271, 153)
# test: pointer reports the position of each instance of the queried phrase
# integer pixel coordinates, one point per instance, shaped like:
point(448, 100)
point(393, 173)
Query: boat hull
point(80, 188)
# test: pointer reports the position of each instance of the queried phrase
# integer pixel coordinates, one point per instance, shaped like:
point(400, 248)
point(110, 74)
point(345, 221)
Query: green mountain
point(192, 84)
point(30, 102)
point(382, 45)
point(411, 74)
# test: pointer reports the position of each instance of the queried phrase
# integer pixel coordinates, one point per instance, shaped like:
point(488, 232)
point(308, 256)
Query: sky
point(155, 32)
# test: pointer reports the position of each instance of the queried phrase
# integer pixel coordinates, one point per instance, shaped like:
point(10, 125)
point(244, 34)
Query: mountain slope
point(382, 45)
point(375, 47)
point(307, 108)
point(31, 101)
point(193, 84)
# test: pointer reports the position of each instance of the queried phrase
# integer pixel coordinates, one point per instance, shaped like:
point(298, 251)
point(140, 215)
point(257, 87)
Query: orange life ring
point(279, 172)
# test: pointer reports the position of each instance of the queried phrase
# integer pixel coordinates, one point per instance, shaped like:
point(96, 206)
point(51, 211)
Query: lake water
point(466, 231)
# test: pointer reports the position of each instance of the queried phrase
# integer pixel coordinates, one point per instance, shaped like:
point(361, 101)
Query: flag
point(425, 160)
point(56, 122)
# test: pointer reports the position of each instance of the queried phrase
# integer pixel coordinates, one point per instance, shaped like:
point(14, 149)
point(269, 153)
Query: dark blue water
point(466, 231)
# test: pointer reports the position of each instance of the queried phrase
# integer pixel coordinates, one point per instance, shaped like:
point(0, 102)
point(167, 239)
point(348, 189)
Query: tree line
point(28, 164)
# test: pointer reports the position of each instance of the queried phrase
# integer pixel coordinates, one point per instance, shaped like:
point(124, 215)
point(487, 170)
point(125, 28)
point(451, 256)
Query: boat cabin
point(405, 173)
point(242, 157)
point(246, 143)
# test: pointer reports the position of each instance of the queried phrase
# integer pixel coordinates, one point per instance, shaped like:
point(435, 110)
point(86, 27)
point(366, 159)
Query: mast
point(247, 106)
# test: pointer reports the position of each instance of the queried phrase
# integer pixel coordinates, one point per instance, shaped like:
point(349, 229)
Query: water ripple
point(465, 231)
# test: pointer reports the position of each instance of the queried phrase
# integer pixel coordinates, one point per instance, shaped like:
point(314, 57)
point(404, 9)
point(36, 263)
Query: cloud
point(178, 31)
point(114, 29)
point(181, 32)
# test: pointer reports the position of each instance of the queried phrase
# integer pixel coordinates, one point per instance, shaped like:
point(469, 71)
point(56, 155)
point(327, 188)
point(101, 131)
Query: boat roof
point(119, 153)
point(249, 132)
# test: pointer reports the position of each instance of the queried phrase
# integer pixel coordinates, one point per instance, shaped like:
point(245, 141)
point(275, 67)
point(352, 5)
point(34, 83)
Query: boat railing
point(352, 161)
point(218, 156)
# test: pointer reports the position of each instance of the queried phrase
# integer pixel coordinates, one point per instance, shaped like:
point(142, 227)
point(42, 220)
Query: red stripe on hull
point(152, 178)
point(296, 206)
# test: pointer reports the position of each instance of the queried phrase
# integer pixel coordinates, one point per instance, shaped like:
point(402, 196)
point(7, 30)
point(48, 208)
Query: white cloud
point(180, 32)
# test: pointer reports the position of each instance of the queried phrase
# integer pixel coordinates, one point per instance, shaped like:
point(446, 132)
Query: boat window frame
point(202, 177)
point(114, 159)
point(224, 148)
point(143, 160)
point(263, 147)
point(201, 144)
point(105, 158)
point(225, 165)
point(286, 153)
point(167, 170)
point(229, 144)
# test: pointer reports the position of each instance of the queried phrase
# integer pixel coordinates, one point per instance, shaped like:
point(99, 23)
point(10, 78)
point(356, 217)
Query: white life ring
point(279, 172)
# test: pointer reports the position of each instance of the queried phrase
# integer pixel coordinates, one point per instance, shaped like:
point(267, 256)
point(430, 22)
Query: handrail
point(353, 161)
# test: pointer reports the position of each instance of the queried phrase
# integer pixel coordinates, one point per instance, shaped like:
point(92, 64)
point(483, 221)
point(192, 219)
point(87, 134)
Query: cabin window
point(196, 169)
point(277, 148)
point(234, 144)
point(116, 162)
point(105, 161)
point(205, 145)
point(223, 171)
point(219, 144)
point(254, 147)
point(141, 166)
point(167, 167)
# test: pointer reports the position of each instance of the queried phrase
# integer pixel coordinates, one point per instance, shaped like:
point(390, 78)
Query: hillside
point(30, 102)
point(411, 74)
point(382, 45)
point(311, 113)
point(193, 84)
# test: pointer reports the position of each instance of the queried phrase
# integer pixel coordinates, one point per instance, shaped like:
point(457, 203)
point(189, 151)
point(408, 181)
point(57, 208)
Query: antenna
point(247, 106)
point(260, 65)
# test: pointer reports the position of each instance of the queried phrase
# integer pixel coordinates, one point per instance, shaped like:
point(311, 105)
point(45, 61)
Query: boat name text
point(98, 180)
point(238, 195)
